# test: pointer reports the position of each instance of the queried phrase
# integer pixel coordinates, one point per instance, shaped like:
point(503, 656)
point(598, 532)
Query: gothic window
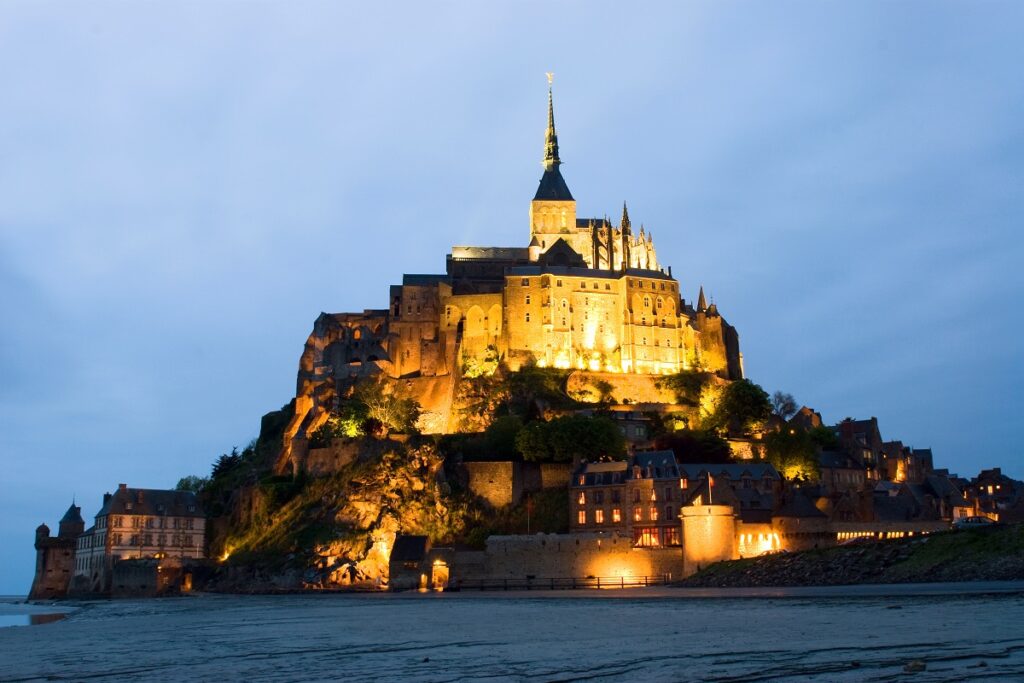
point(659, 302)
point(647, 302)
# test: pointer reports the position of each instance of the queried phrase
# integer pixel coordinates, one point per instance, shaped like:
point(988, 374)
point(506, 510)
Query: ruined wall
point(567, 555)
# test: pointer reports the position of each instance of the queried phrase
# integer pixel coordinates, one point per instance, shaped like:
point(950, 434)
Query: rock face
point(338, 531)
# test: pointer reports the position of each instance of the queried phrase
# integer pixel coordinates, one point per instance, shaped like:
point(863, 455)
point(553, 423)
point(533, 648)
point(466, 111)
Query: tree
point(226, 463)
point(695, 446)
point(192, 483)
point(824, 438)
point(784, 405)
point(793, 453)
point(348, 422)
point(743, 406)
point(571, 437)
point(391, 410)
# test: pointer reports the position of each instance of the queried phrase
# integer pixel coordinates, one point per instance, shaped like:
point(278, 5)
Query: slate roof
point(74, 514)
point(409, 549)
point(799, 506)
point(660, 464)
point(735, 471)
point(837, 460)
point(552, 187)
point(156, 502)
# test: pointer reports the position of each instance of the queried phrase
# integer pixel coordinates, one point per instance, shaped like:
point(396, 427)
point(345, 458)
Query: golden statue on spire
point(550, 75)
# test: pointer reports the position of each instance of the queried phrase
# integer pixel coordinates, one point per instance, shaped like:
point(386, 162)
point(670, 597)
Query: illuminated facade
point(584, 294)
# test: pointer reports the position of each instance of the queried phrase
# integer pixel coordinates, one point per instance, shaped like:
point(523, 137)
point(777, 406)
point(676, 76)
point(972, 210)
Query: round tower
point(709, 536)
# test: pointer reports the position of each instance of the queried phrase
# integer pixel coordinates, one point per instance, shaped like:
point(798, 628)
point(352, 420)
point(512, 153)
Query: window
point(654, 514)
point(527, 299)
point(599, 497)
point(636, 495)
point(581, 517)
point(616, 515)
point(638, 514)
point(581, 498)
point(525, 282)
point(527, 317)
point(668, 493)
point(654, 495)
point(149, 539)
point(646, 537)
point(668, 513)
point(128, 506)
point(599, 516)
point(558, 283)
point(616, 496)
point(647, 302)
point(583, 285)
point(671, 535)
point(607, 286)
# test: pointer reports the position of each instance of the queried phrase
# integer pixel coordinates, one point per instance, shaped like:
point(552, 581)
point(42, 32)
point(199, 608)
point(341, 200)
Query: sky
point(185, 186)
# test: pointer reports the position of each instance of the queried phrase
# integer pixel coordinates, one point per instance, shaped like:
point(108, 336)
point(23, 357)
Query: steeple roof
point(625, 225)
point(74, 514)
point(552, 185)
point(702, 303)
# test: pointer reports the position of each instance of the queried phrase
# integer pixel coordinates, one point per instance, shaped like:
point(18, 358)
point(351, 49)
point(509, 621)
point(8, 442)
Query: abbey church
point(583, 294)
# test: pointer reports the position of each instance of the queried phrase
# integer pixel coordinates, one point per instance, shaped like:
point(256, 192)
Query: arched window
point(647, 302)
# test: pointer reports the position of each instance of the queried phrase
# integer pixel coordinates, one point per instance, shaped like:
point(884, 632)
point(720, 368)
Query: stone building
point(585, 293)
point(55, 556)
point(638, 498)
point(139, 524)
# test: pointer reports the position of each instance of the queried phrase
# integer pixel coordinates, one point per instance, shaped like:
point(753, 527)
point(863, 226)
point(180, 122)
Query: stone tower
point(553, 210)
point(55, 556)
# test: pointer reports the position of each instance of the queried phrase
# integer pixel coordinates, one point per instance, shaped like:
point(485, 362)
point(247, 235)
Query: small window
point(583, 285)
point(527, 299)
point(638, 514)
point(607, 286)
point(616, 515)
point(527, 317)
point(654, 514)
point(581, 498)
point(581, 517)
point(599, 516)
point(525, 282)
point(558, 283)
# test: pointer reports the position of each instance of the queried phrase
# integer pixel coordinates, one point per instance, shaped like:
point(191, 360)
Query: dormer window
point(129, 506)
point(191, 508)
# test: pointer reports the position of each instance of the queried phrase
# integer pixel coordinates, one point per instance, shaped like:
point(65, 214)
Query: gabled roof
point(409, 549)
point(735, 471)
point(156, 502)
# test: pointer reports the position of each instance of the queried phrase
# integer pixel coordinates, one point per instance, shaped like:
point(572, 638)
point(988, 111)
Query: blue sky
point(184, 187)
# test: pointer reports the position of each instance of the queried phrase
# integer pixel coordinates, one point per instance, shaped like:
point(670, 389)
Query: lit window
point(616, 515)
point(654, 514)
point(581, 498)
point(671, 535)
point(581, 517)
point(638, 514)
point(599, 516)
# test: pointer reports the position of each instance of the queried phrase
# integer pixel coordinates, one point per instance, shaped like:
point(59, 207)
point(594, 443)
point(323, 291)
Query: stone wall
point(325, 461)
point(566, 556)
point(626, 388)
point(499, 483)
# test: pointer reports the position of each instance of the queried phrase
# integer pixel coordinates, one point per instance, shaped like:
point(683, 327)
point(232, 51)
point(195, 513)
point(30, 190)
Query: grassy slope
point(974, 555)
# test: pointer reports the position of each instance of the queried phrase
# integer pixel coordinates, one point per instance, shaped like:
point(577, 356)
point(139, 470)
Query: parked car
point(974, 522)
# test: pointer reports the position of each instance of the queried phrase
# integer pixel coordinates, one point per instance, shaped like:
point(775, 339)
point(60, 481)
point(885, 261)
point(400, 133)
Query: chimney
point(122, 487)
point(106, 498)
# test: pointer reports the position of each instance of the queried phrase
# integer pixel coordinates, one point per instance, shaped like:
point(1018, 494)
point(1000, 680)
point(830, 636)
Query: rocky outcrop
point(338, 531)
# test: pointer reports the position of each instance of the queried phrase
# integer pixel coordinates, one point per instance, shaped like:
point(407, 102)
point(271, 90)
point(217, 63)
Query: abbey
point(584, 294)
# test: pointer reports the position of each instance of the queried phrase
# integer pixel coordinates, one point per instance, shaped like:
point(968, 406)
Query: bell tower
point(553, 210)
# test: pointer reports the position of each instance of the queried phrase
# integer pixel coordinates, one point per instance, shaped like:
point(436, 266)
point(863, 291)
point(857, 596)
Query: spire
point(551, 160)
point(625, 218)
point(552, 185)
point(702, 303)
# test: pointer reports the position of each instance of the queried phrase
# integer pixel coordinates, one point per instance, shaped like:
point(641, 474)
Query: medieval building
point(584, 293)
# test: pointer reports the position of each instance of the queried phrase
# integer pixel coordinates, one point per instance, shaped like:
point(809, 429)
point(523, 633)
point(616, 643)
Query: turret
point(702, 304)
point(627, 236)
point(71, 524)
point(42, 533)
point(534, 249)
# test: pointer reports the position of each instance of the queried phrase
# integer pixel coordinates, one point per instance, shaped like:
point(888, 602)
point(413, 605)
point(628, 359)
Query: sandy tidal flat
point(654, 635)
